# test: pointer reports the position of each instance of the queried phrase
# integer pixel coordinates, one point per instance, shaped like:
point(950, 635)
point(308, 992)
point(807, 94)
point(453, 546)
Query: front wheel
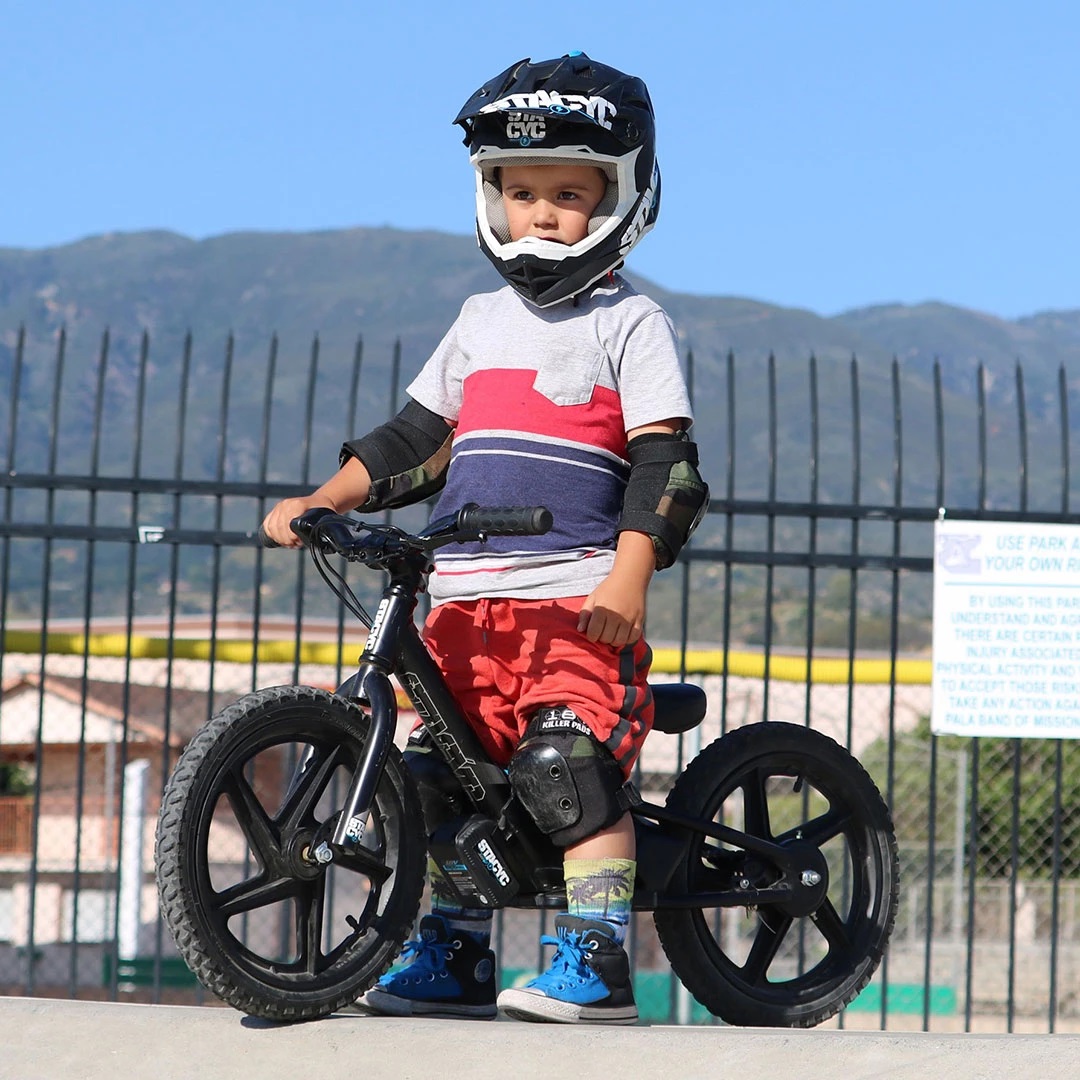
point(793, 964)
point(264, 925)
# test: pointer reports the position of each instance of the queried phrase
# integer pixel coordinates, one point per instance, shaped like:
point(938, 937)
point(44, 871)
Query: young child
point(562, 389)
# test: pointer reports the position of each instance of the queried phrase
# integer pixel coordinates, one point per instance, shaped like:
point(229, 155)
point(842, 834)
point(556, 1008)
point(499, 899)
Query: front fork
point(374, 687)
point(371, 684)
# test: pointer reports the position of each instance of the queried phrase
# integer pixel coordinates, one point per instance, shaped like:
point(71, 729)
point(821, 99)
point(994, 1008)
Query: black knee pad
point(441, 795)
point(568, 781)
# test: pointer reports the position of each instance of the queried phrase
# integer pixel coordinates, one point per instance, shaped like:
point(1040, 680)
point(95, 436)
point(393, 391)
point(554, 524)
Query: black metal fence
point(135, 603)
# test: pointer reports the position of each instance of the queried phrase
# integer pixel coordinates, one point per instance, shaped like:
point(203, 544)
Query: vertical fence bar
point(1014, 880)
point(894, 624)
point(853, 577)
point(677, 994)
point(980, 410)
point(395, 380)
point(264, 465)
point(350, 432)
point(305, 464)
point(770, 537)
point(219, 514)
point(684, 594)
point(932, 807)
point(14, 389)
point(129, 629)
point(1063, 422)
point(46, 589)
point(391, 404)
point(84, 687)
point(729, 537)
point(812, 539)
point(1022, 438)
point(260, 552)
point(1017, 744)
point(973, 843)
point(174, 580)
point(1059, 747)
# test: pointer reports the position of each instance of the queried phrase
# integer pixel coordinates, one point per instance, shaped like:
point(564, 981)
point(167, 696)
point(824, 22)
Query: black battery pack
point(481, 849)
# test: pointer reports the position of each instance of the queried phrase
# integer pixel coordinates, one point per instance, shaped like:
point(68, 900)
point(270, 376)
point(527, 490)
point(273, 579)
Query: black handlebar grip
point(505, 520)
point(265, 540)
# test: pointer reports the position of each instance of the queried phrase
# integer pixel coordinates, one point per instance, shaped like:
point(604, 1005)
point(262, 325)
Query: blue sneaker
point(446, 973)
point(588, 981)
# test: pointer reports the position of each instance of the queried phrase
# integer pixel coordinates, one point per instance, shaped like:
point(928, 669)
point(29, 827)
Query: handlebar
point(332, 532)
point(505, 521)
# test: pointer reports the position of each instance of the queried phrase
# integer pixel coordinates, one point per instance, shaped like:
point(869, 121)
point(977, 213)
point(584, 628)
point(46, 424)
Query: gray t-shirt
point(542, 399)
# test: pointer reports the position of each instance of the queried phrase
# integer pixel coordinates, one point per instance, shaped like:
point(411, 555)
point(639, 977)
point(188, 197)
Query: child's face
point(551, 202)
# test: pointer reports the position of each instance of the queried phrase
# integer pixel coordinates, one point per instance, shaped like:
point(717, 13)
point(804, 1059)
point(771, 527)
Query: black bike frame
point(394, 645)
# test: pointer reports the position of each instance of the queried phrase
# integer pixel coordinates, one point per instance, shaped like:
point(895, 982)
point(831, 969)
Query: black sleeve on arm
point(406, 458)
point(665, 497)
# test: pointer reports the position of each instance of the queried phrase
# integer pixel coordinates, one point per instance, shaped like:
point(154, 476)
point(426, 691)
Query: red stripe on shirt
point(504, 398)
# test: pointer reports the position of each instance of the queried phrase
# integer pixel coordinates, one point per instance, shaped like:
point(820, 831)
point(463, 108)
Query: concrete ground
point(79, 1040)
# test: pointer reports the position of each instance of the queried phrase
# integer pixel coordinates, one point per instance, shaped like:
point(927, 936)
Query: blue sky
point(822, 155)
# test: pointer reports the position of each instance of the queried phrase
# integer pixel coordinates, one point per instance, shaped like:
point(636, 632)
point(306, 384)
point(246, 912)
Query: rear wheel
point(262, 924)
point(798, 963)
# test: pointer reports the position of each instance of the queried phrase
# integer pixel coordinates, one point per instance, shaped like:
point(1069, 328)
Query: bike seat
point(679, 707)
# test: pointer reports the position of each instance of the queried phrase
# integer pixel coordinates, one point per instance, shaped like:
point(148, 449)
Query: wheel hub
point(300, 855)
point(809, 879)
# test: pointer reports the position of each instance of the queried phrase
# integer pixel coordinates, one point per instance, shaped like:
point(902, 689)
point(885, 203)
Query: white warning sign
point(1006, 652)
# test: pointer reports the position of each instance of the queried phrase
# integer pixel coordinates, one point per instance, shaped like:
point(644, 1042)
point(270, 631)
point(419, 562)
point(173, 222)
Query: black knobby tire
point(772, 967)
point(262, 926)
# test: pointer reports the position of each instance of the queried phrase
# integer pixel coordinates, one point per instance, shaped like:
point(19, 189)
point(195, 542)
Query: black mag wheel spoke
point(756, 804)
point(252, 818)
point(256, 892)
point(772, 929)
point(820, 830)
point(833, 928)
point(310, 909)
point(308, 787)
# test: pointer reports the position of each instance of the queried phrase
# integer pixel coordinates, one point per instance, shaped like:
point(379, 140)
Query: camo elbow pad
point(406, 458)
point(665, 496)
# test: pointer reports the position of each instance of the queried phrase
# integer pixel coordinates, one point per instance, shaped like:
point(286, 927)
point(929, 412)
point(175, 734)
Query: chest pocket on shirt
point(568, 378)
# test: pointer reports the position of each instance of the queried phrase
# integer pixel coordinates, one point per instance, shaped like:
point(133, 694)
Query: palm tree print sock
point(601, 889)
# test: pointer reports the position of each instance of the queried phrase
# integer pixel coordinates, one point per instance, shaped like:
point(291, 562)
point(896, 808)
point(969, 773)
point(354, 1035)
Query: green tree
point(14, 779)
point(1021, 809)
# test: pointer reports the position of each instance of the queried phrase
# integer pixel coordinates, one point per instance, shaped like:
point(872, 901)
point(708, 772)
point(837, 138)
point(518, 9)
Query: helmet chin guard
point(566, 111)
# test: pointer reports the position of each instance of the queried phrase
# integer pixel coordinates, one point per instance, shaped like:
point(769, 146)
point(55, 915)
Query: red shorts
point(505, 659)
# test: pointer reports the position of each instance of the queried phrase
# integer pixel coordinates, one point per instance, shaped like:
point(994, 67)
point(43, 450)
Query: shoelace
point(423, 952)
point(569, 958)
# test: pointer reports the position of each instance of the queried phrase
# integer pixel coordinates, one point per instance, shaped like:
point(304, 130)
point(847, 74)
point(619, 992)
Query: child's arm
point(401, 462)
point(614, 612)
point(346, 489)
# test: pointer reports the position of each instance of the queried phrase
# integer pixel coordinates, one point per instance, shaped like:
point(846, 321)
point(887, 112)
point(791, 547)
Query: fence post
point(136, 774)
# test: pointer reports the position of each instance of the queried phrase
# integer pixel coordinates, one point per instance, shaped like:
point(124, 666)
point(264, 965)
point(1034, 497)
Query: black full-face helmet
point(566, 111)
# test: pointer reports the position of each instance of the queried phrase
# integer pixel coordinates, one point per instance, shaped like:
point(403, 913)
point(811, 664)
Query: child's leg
point(591, 705)
point(599, 873)
point(589, 978)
